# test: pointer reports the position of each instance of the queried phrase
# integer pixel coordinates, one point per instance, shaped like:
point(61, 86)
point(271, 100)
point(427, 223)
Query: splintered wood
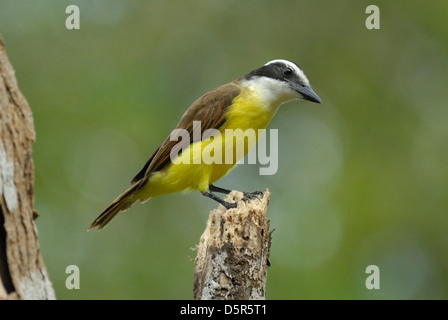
point(22, 271)
point(233, 252)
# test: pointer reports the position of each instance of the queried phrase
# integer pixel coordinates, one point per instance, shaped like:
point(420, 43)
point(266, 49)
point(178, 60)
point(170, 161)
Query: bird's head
point(280, 81)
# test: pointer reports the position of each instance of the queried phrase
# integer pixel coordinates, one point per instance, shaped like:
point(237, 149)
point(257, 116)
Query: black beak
point(306, 92)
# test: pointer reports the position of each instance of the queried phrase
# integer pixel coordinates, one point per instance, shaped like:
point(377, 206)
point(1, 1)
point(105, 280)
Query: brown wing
point(210, 110)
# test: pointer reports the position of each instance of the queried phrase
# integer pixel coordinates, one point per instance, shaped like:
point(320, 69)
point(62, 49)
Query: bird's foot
point(229, 205)
point(252, 195)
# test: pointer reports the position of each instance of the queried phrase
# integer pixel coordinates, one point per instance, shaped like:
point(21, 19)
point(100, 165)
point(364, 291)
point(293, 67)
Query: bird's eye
point(287, 72)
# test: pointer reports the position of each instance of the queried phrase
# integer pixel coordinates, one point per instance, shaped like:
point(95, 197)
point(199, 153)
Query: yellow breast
point(206, 161)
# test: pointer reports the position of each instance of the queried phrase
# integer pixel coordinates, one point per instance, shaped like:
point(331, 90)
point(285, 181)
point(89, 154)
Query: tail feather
point(122, 203)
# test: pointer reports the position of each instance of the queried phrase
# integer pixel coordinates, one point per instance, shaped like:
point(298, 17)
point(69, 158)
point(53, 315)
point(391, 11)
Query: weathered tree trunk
point(22, 271)
point(233, 253)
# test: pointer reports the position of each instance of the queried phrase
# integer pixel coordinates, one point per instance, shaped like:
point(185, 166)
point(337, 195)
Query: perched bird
point(249, 102)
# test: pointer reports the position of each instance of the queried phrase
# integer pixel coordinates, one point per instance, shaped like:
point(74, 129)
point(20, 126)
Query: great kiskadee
point(246, 103)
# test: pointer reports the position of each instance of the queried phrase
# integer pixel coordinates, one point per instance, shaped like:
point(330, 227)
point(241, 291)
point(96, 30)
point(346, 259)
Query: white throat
point(271, 92)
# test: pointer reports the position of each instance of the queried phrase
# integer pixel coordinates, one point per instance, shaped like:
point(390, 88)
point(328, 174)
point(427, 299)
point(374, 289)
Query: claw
point(252, 195)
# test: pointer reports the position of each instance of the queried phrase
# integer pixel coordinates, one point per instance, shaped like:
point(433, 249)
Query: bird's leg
point(213, 188)
point(226, 204)
point(247, 195)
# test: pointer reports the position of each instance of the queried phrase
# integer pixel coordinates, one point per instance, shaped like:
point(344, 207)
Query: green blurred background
point(362, 179)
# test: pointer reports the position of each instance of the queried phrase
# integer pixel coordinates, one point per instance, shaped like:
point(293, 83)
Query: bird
point(247, 103)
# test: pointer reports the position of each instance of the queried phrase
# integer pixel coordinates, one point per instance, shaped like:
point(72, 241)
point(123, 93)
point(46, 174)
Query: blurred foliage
point(362, 179)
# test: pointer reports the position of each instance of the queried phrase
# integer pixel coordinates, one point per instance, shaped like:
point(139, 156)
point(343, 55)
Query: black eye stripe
point(276, 70)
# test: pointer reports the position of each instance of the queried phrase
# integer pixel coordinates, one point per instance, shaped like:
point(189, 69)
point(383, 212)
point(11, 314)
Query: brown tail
point(122, 203)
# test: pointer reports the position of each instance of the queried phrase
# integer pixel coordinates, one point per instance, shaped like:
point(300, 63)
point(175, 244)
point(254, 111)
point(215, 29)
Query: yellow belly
point(205, 162)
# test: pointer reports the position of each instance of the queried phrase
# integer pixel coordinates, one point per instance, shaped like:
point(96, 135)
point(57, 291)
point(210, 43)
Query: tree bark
point(22, 271)
point(233, 253)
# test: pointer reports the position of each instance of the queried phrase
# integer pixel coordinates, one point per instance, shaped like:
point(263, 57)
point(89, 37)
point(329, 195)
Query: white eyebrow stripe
point(294, 67)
